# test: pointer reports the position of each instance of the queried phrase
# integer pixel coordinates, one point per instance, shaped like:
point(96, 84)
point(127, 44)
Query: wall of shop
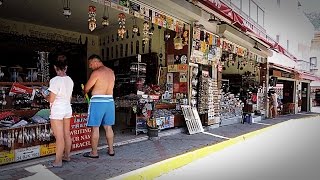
point(33, 30)
point(109, 33)
point(234, 70)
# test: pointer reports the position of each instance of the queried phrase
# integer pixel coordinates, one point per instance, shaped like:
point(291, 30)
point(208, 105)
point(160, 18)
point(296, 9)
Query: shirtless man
point(101, 109)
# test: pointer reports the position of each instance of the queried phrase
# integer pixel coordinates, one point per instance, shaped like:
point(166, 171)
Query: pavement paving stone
point(140, 154)
point(5, 177)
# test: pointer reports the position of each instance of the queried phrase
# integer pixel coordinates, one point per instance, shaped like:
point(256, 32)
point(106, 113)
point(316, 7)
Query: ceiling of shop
point(49, 13)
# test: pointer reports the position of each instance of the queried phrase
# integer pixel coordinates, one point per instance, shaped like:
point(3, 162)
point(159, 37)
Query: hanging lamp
point(66, 8)
point(105, 19)
point(92, 18)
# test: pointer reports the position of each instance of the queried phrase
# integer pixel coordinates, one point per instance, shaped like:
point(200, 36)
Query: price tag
point(27, 153)
point(47, 149)
point(6, 157)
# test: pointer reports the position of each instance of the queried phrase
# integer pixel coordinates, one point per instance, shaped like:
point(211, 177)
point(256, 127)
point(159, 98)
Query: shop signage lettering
point(219, 6)
point(80, 133)
point(27, 153)
point(47, 149)
point(287, 75)
point(6, 157)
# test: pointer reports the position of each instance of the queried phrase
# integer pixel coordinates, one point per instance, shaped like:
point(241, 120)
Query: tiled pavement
point(139, 154)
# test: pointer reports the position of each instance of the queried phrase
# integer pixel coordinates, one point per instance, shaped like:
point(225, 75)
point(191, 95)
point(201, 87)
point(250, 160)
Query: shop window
point(245, 6)
point(237, 3)
point(253, 11)
point(313, 61)
point(278, 38)
point(260, 17)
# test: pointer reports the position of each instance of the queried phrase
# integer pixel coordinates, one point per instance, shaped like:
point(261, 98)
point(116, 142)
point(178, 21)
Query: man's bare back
point(105, 81)
point(101, 80)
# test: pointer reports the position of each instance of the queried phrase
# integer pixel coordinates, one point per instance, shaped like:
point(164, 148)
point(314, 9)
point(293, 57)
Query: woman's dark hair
point(61, 62)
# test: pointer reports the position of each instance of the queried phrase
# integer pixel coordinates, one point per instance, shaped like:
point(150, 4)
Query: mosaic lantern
point(92, 18)
point(122, 23)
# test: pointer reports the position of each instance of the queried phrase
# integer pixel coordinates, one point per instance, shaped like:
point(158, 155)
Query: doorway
point(304, 97)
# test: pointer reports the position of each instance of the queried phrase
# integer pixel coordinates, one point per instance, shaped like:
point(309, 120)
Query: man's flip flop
point(89, 155)
point(110, 153)
point(66, 160)
point(52, 165)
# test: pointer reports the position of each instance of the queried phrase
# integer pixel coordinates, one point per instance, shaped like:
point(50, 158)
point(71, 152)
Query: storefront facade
point(149, 51)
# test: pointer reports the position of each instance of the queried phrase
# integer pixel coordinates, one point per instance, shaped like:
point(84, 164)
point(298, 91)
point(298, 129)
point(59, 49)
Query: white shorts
point(58, 112)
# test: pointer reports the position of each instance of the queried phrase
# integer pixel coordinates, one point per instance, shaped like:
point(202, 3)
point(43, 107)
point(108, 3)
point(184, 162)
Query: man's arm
point(91, 82)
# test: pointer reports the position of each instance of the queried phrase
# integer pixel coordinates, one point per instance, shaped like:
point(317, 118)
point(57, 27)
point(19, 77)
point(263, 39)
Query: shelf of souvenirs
point(24, 83)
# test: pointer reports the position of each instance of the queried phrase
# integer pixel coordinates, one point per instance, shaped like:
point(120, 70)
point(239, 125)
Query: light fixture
point(299, 4)
point(135, 28)
point(198, 25)
point(256, 47)
point(122, 24)
point(66, 8)
point(1, 2)
point(92, 18)
point(213, 19)
point(105, 19)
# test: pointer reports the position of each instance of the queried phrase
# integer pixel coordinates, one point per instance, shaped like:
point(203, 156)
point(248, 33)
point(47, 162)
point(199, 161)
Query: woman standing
point(60, 88)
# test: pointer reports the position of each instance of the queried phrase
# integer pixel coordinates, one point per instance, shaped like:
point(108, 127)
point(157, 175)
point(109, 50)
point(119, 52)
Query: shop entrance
point(304, 97)
point(285, 92)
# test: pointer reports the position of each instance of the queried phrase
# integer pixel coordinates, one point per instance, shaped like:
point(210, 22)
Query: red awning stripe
point(238, 21)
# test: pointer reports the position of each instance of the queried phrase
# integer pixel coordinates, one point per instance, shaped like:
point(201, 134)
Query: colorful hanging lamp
point(122, 23)
point(92, 18)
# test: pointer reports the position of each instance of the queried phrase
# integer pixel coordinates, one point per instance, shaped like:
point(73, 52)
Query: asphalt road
point(289, 150)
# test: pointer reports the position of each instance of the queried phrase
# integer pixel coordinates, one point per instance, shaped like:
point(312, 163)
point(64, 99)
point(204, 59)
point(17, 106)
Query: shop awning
point(278, 48)
point(242, 39)
point(307, 76)
point(302, 75)
point(282, 68)
point(246, 26)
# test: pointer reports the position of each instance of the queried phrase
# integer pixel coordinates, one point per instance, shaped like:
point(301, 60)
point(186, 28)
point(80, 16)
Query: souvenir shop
point(243, 77)
point(204, 91)
point(147, 49)
point(292, 87)
point(284, 81)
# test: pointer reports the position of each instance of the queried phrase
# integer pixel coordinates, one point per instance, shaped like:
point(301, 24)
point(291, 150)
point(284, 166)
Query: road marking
point(41, 172)
point(215, 135)
point(262, 124)
point(165, 166)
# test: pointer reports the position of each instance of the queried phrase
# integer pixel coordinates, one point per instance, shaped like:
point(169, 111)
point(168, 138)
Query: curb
point(155, 170)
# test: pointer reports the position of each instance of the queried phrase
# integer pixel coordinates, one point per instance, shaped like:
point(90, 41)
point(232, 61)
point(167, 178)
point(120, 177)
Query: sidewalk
point(141, 153)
